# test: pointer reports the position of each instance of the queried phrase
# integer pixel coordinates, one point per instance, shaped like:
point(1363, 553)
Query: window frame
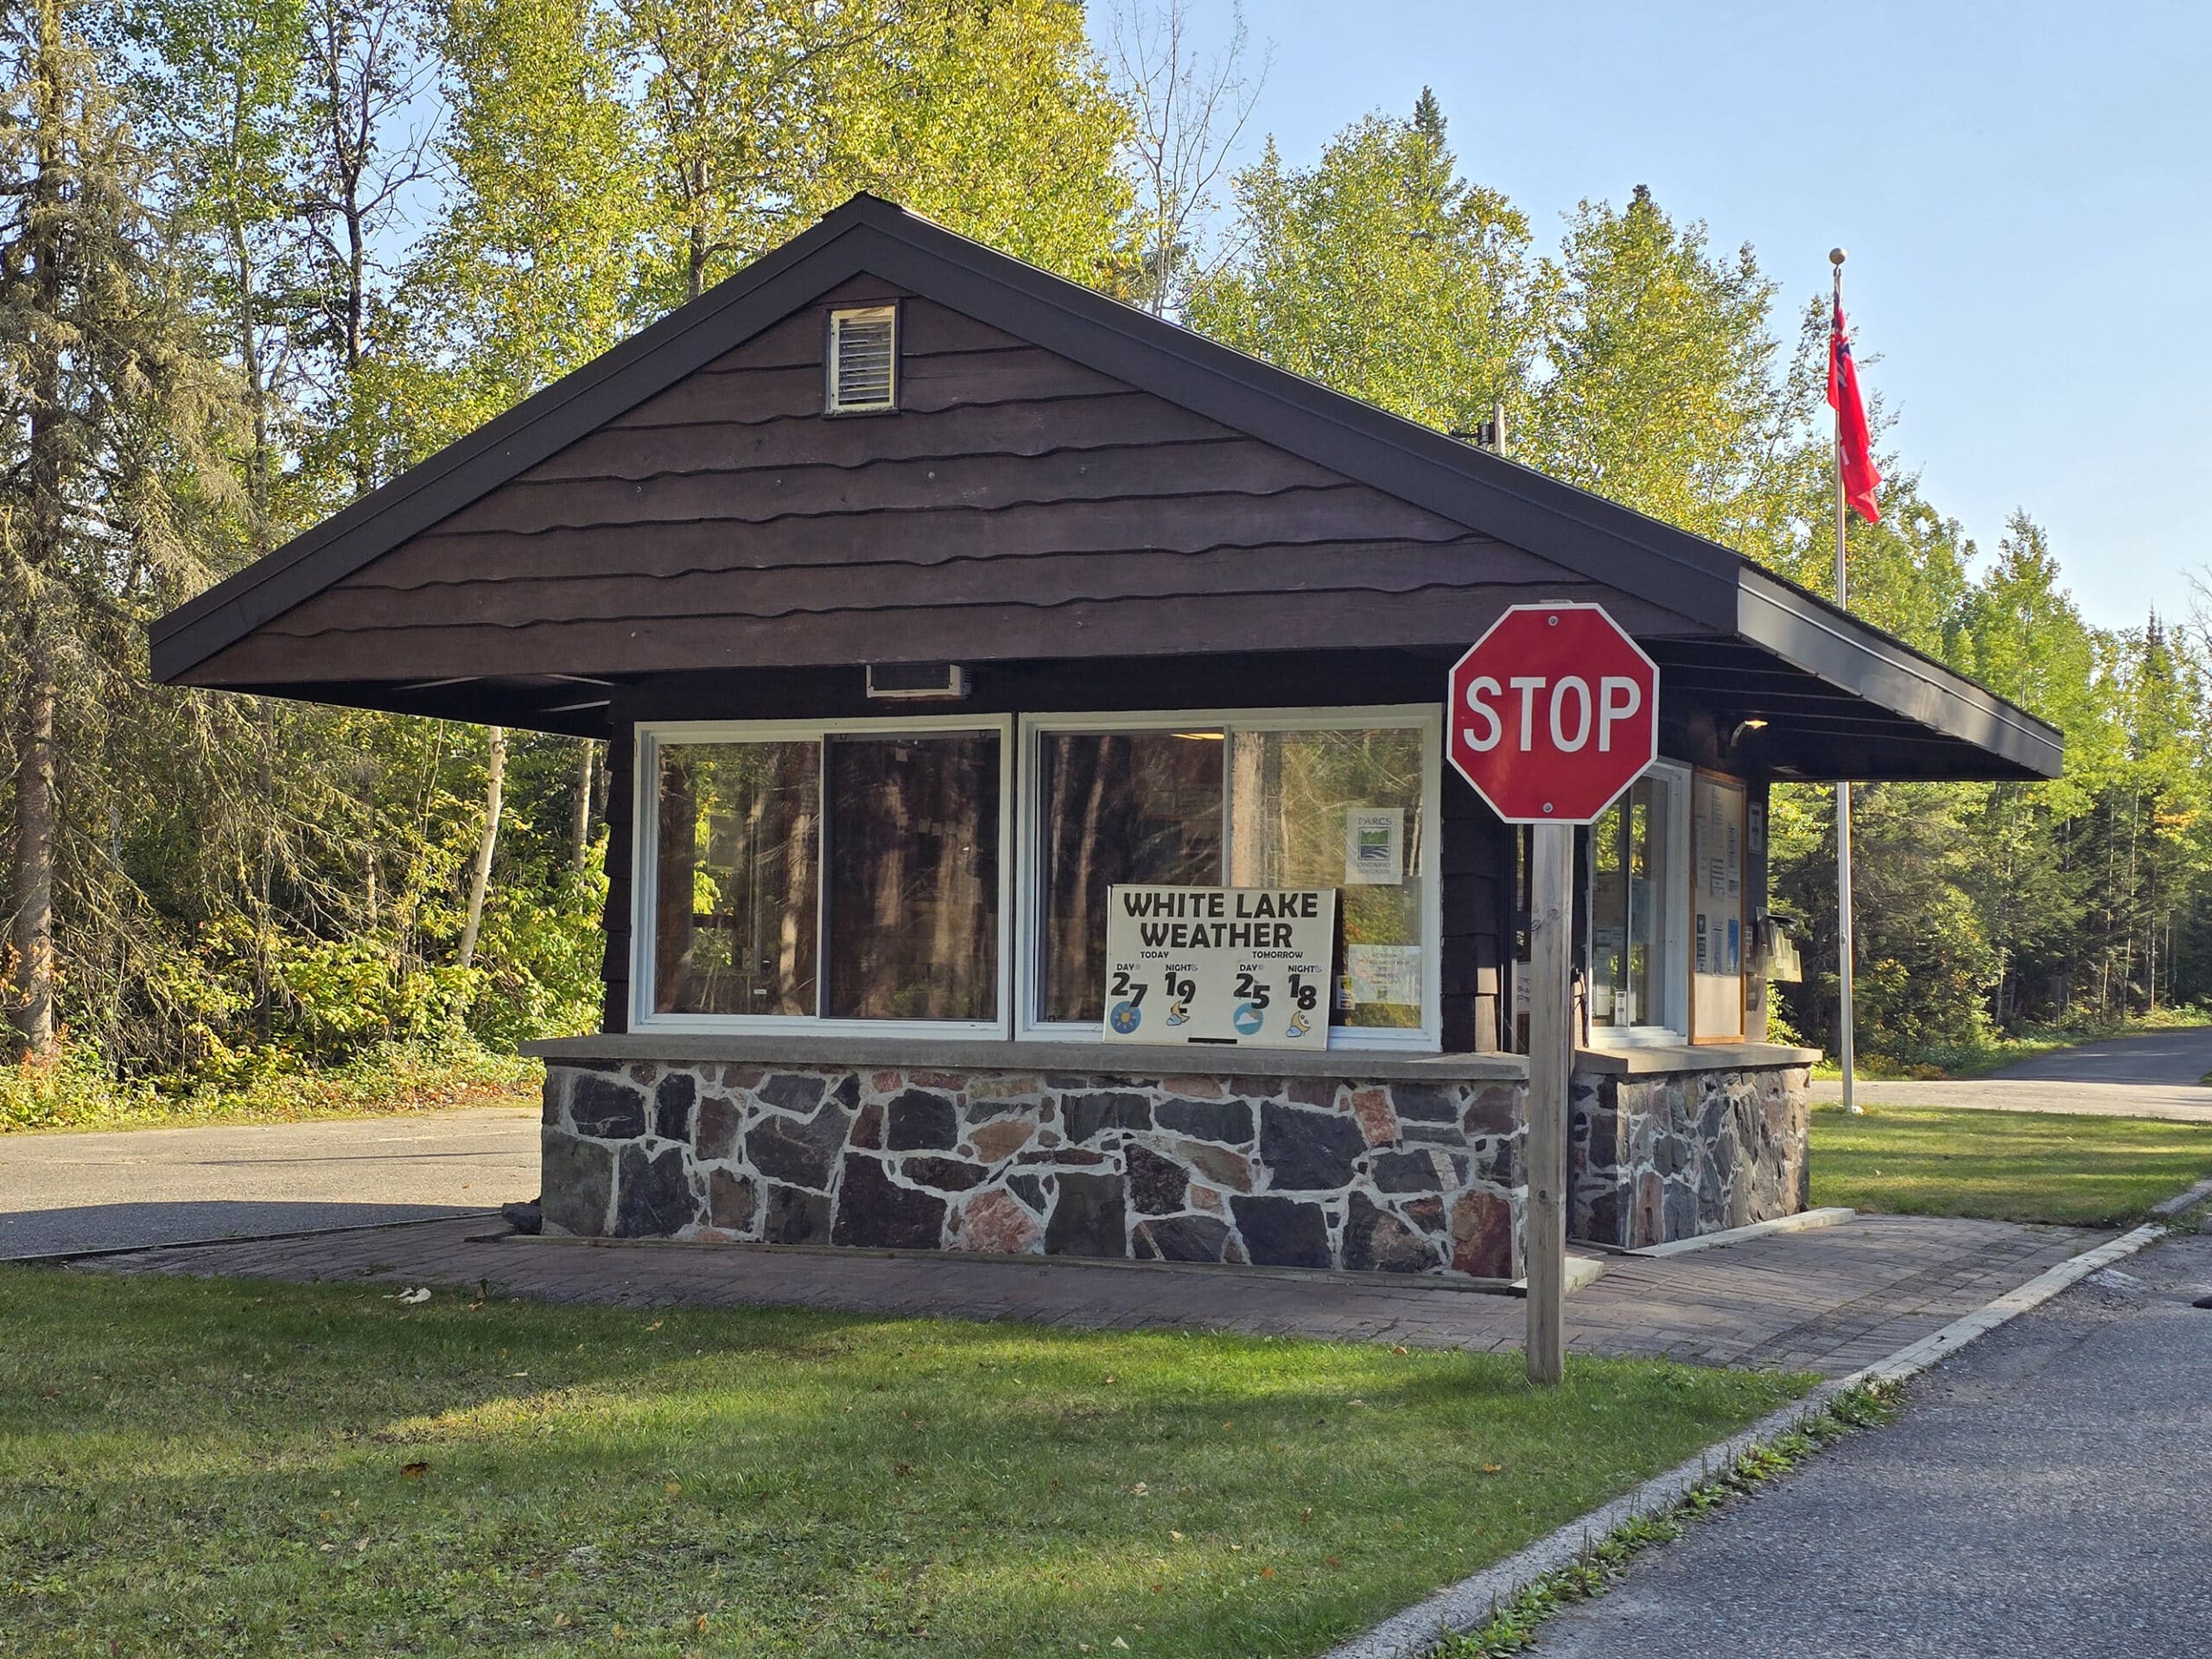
point(648, 737)
point(1672, 950)
point(1427, 719)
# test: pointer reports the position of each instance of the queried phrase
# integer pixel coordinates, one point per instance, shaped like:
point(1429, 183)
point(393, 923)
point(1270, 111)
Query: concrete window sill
point(686, 1048)
point(1704, 1057)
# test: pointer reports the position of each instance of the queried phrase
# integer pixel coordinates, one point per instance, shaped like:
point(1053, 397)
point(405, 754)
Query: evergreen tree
point(108, 397)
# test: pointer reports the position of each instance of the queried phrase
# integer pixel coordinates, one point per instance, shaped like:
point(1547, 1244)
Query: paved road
point(2045, 1492)
point(147, 1186)
point(2154, 1075)
point(2182, 1057)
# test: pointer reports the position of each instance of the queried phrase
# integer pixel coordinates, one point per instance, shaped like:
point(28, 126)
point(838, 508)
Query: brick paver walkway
point(1829, 1299)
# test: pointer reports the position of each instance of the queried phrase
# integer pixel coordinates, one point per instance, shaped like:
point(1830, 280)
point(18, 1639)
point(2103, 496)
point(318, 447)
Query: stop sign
point(1553, 713)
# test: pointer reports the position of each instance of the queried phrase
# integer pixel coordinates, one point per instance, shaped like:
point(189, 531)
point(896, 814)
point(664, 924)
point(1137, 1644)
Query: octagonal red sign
point(1553, 713)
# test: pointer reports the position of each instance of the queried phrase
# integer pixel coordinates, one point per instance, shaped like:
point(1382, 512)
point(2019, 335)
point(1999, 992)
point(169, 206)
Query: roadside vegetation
point(213, 1466)
point(74, 1093)
point(1925, 1161)
point(1989, 1052)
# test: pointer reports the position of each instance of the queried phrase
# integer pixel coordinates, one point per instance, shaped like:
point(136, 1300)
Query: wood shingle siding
point(1021, 429)
point(764, 495)
point(1335, 515)
point(1157, 623)
point(727, 521)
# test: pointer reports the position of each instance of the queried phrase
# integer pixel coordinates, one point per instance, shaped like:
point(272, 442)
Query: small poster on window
point(1374, 846)
point(1219, 967)
point(1718, 832)
point(1383, 974)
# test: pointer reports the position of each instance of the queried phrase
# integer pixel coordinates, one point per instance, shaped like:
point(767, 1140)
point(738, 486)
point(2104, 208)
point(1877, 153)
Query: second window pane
point(912, 878)
point(1341, 809)
point(1119, 807)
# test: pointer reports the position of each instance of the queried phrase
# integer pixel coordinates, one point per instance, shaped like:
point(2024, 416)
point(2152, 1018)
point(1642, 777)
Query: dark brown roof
point(1453, 519)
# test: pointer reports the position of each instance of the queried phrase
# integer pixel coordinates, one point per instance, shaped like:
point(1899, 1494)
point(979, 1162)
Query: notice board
point(1717, 941)
point(1219, 967)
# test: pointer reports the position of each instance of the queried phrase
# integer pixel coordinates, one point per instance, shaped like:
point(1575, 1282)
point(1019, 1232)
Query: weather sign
point(1219, 967)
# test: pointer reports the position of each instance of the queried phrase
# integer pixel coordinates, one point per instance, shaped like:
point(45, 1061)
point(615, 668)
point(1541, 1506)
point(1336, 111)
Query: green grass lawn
point(1927, 1160)
point(192, 1467)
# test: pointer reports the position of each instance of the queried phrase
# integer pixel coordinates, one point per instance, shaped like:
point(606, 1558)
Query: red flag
point(1854, 443)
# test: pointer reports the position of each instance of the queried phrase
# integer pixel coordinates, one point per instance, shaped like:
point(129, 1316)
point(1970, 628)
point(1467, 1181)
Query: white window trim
point(1426, 718)
point(1675, 956)
point(645, 877)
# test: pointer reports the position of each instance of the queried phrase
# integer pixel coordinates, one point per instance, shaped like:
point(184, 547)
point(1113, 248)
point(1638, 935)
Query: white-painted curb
point(1474, 1601)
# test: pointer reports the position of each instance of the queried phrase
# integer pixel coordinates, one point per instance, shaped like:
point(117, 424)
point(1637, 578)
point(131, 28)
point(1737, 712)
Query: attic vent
point(863, 360)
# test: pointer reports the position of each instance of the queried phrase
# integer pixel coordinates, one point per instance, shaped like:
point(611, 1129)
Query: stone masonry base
point(1659, 1157)
point(1420, 1178)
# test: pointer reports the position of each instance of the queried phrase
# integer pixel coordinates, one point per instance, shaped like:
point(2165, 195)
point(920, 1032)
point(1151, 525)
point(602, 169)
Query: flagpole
point(1846, 943)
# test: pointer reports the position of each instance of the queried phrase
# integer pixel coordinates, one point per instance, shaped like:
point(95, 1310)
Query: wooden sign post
point(1551, 1059)
point(1551, 715)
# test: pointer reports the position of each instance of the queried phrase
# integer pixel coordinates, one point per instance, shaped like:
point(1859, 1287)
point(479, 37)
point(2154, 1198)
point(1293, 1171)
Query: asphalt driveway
point(2042, 1493)
point(2153, 1075)
point(62, 1192)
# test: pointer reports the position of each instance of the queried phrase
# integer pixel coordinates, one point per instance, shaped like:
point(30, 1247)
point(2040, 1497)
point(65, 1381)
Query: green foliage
point(1662, 389)
point(1382, 273)
point(1925, 965)
point(314, 244)
point(76, 1089)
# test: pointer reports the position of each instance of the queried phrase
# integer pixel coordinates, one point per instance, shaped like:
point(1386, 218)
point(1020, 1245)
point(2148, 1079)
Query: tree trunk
point(480, 881)
point(36, 805)
point(580, 823)
point(372, 851)
point(34, 824)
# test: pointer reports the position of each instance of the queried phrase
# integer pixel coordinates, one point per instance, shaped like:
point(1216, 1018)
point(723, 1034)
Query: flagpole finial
point(1837, 256)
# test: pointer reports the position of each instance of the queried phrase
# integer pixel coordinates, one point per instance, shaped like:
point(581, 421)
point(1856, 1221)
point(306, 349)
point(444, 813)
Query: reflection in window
point(1625, 909)
point(739, 832)
point(1335, 808)
point(913, 877)
point(1118, 807)
point(1340, 809)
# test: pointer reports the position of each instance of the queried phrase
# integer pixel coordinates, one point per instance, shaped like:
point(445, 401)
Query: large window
point(1342, 798)
point(823, 874)
point(875, 876)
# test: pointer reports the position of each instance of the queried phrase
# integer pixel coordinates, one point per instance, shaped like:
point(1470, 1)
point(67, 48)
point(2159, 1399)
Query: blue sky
point(2025, 190)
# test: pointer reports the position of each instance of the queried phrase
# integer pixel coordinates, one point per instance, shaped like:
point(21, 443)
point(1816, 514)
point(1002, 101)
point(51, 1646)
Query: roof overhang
point(1889, 702)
